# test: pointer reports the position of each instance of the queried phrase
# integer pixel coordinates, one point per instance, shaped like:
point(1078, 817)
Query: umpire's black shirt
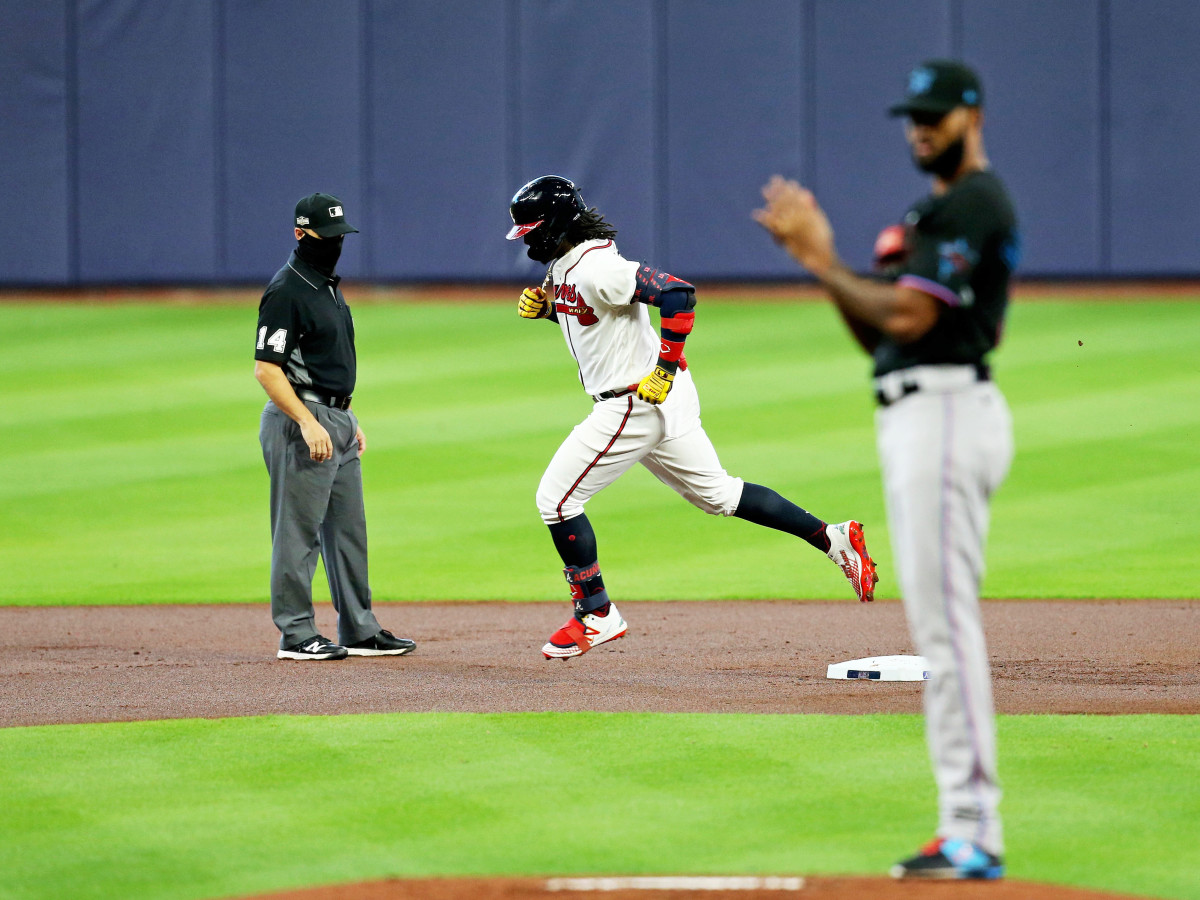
point(305, 327)
point(962, 248)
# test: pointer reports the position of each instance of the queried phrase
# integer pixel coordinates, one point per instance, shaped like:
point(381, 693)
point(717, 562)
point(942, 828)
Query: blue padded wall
point(168, 140)
point(292, 109)
point(1155, 187)
point(734, 113)
point(34, 145)
point(1043, 122)
point(146, 153)
point(585, 109)
point(438, 182)
point(861, 171)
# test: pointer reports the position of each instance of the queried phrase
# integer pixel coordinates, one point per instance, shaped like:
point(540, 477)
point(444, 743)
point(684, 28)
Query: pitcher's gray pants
point(316, 508)
point(943, 454)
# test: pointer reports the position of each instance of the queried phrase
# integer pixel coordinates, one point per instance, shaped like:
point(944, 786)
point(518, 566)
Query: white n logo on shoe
point(311, 647)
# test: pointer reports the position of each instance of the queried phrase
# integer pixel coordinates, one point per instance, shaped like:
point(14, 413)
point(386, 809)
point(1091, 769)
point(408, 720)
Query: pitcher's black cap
point(938, 86)
point(323, 214)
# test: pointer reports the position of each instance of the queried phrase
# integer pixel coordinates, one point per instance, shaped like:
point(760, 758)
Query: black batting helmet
point(543, 211)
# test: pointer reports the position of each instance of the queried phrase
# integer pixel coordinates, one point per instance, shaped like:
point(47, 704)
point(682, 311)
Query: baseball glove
point(891, 247)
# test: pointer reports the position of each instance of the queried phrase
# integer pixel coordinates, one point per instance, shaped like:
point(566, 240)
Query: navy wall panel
point(734, 115)
point(1043, 122)
point(586, 110)
point(864, 52)
point(33, 144)
point(146, 152)
point(438, 180)
point(168, 140)
point(292, 125)
point(1155, 82)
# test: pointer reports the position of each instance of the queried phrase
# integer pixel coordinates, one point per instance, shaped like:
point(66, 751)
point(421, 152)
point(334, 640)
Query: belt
point(323, 399)
point(608, 395)
point(895, 386)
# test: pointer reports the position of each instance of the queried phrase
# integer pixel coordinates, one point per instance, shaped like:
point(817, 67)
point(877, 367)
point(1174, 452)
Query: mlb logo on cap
point(323, 214)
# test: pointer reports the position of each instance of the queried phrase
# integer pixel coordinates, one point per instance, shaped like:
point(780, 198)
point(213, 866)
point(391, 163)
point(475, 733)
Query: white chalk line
point(677, 883)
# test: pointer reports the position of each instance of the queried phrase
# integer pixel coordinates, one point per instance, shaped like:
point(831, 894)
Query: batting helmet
point(543, 212)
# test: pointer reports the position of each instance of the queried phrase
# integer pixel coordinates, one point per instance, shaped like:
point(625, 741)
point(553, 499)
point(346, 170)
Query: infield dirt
point(100, 664)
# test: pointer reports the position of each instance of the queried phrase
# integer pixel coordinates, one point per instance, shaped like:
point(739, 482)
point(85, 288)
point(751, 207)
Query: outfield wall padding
point(167, 140)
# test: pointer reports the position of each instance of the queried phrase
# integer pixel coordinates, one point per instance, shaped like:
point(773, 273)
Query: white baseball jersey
point(615, 347)
point(611, 339)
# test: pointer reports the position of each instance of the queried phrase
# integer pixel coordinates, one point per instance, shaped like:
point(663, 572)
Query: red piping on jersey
point(592, 464)
point(582, 255)
point(567, 328)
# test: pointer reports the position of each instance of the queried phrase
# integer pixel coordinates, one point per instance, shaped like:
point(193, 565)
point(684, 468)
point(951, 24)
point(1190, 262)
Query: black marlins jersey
point(305, 327)
point(962, 247)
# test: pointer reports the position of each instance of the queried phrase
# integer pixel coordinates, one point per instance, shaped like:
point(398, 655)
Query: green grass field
point(134, 476)
point(187, 808)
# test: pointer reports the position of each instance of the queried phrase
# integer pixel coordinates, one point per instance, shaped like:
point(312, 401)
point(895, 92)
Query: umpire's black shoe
point(317, 647)
point(383, 644)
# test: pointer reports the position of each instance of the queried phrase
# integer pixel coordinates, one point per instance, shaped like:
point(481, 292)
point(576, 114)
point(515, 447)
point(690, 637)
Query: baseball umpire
point(311, 443)
point(944, 429)
point(645, 405)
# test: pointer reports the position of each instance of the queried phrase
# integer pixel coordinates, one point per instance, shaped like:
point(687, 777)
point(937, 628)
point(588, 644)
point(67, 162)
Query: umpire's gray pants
point(316, 508)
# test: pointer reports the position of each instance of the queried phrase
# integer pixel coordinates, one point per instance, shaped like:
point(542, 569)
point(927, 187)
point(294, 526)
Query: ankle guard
point(587, 588)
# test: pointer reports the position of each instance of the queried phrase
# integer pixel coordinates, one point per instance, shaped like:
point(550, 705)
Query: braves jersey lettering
point(593, 287)
point(571, 305)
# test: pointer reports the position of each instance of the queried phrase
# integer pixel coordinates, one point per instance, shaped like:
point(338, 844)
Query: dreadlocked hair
point(590, 226)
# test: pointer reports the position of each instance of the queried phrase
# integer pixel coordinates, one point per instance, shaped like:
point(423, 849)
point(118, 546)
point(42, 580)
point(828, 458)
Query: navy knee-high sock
point(763, 506)
point(575, 542)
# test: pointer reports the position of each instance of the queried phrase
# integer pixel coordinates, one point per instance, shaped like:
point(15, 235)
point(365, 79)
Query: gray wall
point(167, 140)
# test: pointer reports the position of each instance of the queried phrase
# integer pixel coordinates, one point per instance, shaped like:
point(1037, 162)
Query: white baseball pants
point(667, 439)
point(943, 453)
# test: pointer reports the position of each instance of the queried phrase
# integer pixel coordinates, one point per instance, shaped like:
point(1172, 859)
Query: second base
point(881, 668)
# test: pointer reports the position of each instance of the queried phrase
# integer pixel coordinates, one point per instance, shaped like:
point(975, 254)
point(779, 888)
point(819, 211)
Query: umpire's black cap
point(938, 86)
point(323, 214)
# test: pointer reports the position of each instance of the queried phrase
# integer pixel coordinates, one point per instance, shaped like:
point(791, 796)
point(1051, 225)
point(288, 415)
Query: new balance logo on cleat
point(318, 647)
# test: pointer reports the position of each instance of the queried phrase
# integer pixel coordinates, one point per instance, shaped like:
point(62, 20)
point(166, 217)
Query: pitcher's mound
point(690, 888)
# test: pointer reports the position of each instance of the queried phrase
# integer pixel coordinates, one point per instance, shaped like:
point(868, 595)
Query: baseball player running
point(646, 408)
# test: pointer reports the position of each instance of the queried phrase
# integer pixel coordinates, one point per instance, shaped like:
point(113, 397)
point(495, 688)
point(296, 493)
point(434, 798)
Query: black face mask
point(320, 253)
point(540, 248)
point(945, 165)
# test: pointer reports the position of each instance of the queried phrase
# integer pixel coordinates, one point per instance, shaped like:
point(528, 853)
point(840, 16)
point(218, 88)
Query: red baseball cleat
point(576, 638)
point(848, 549)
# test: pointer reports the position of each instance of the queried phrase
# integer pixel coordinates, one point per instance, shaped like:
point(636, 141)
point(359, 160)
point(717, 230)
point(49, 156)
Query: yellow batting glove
point(655, 386)
point(532, 304)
